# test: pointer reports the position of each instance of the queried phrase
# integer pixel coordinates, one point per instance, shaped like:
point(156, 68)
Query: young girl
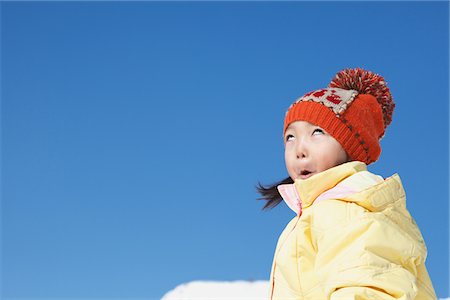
point(353, 237)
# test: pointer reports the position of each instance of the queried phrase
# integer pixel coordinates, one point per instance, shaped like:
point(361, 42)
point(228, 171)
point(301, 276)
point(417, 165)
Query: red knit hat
point(355, 109)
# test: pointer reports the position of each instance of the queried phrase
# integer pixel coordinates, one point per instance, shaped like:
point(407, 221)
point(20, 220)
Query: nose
point(302, 149)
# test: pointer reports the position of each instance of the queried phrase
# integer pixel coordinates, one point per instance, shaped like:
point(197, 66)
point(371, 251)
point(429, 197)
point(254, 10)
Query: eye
point(318, 131)
point(288, 137)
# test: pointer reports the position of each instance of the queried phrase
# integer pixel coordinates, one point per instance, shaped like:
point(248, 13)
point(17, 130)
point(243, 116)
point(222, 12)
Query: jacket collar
point(302, 193)
point(309, 189)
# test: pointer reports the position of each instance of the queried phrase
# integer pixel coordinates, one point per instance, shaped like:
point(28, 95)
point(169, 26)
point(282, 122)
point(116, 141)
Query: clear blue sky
point(133, 134)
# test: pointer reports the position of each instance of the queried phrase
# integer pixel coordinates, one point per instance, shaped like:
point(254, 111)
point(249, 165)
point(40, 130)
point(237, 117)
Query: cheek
point(288, 160)
point(340, 156)
point(337, 157)
point(344, 157)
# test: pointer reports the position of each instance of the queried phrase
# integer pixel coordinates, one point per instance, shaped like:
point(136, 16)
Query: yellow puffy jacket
point(352, 239)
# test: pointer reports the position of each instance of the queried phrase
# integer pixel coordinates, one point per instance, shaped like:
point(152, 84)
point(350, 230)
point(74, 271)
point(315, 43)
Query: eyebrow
point(288, 128)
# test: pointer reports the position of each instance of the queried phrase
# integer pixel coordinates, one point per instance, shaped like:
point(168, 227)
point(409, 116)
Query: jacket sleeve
point(362, 254)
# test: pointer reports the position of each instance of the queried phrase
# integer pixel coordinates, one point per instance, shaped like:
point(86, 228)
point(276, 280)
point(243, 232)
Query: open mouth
point(305, 174)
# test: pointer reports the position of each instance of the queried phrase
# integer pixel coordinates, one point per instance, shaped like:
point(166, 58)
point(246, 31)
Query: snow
point(222, 290)
point(219, 290)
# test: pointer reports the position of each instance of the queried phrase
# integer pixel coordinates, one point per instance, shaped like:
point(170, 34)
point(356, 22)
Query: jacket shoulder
point(382, 205)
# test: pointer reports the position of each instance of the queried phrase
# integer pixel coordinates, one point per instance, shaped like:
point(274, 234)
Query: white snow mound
point(219, 290)
point(225, 290)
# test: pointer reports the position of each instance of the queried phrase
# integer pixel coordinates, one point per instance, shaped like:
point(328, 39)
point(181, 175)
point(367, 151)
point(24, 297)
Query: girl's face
point(310, 150)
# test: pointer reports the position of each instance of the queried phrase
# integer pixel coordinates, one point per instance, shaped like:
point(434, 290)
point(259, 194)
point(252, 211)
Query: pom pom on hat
point(367, 82)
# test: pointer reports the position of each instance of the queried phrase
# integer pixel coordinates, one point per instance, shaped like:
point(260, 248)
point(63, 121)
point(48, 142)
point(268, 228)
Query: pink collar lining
point(290, 196)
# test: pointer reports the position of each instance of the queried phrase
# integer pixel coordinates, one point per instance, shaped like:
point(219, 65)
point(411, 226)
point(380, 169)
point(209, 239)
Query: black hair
point(270, 193)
